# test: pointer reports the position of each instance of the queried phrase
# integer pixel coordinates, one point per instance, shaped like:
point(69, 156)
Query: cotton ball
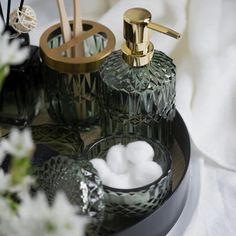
point(145, 173)
point(138, 152)
point(116, 160)
point(101, 166)
point(122, 181)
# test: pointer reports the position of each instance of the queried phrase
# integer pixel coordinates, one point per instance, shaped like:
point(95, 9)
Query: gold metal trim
point(138, 50)
point(163, 30)
point(53, 57)
point(137, 60)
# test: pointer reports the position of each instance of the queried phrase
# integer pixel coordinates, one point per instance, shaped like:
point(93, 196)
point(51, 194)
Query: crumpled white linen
point(215, 211)
point(206, 83)
point(211, 62)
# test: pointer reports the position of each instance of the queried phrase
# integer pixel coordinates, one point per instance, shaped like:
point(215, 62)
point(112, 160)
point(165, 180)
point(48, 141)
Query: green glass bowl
point(126, 206)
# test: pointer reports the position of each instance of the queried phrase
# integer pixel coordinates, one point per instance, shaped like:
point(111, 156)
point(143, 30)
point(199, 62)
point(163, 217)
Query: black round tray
point(163, 219)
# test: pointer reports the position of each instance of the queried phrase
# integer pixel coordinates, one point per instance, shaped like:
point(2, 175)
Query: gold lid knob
point(138, 50)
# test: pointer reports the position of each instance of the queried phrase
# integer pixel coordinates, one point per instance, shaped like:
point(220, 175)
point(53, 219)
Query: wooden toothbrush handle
point(65, 25)
point(77, 28)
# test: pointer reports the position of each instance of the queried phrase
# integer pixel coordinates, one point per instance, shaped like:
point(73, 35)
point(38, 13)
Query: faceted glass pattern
point(126, 206)
point(79, 181)
point(71, 98)
point(138, 100)
point(63, 139)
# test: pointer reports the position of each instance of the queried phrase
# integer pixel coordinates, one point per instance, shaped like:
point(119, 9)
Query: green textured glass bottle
point(137, 88)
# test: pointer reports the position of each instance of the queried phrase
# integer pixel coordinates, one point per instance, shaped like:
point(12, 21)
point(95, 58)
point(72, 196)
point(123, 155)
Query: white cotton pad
point(122, 181)
point(138, 152)
point(145, 173)
point(102, 168)
point(116, 159)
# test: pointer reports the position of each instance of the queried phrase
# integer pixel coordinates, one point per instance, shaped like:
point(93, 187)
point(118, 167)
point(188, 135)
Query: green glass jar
point(139, 100)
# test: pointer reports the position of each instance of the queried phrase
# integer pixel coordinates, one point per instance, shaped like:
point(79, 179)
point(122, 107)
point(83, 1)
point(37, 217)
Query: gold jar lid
point(56, 58)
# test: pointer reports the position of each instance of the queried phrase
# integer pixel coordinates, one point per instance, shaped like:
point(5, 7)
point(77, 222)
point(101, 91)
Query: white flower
point(6, 218)
point(37, 218)
point(19, 144)
point(4, 181)
point(10, 52)
point(24, 186)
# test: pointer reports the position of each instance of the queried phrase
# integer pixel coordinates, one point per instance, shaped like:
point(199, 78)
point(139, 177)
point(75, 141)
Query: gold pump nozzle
point(138, 50)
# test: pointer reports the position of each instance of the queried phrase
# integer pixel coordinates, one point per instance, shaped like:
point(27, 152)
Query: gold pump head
point(138, 50)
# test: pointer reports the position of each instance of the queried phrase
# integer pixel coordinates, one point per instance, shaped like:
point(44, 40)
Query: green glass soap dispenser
point(137, 87)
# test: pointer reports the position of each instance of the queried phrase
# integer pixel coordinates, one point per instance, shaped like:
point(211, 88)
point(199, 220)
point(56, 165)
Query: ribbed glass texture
point(138, 100)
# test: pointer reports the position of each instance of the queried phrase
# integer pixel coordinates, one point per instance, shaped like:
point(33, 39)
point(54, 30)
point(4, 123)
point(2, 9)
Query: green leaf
point(3, 73)
point(19, 169)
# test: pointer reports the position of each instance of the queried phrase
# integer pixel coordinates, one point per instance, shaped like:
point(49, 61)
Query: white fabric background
point(206, 95)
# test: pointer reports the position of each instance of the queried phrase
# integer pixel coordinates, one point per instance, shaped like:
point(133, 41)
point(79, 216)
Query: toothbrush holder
point(70, 82)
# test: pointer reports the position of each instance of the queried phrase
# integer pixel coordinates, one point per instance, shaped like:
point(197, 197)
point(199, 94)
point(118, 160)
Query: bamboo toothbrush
point(66, 32)
point(77, 28)
point(65, 25)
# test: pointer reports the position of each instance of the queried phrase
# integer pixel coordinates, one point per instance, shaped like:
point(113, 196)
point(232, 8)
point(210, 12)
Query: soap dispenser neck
point(137, 49)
